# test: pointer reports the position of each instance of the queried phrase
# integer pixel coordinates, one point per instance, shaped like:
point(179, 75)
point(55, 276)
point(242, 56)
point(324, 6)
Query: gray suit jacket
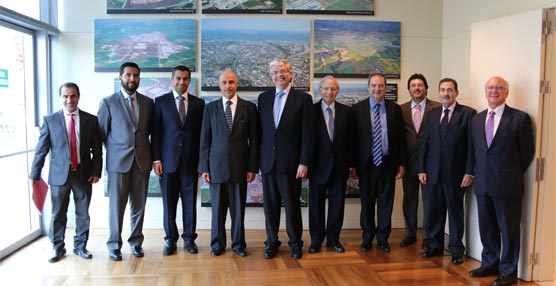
point(122, 139)
point(53, 138)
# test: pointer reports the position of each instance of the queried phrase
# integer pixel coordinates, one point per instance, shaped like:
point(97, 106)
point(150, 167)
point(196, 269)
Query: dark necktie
point(489, 130)
point(228, 114)
point(73, 142)
point(377, 137)
point(181, 108)
point(330, 123)
point(132, 110)
point(444, 123)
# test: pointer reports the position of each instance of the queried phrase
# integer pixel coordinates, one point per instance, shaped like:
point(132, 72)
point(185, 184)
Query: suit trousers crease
point(226, 196)
point(446, 198)
point(336, 189)
point(411, 185)
point(60, 196)
point(132, 186)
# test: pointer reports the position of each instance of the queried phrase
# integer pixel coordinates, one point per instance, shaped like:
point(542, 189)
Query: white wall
point(421, 51)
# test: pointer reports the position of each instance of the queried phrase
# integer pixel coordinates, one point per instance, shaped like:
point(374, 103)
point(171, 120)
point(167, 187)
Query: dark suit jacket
point(411, 135)
point(53, 138)
point(499, 169)
point(336, 155)
point(448, 158)
point(228, 156)
point(363, 129)
point(170, 140)
point(291, 144)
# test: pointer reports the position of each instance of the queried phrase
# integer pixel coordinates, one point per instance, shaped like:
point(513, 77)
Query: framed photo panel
point(150, 6)
point(242, 6)
point(339, 7)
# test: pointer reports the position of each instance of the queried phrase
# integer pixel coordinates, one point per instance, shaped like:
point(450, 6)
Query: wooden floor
point(402, 266)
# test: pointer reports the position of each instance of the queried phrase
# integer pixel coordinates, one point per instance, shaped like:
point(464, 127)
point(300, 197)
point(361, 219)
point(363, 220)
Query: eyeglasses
point(333, 89)
point(496, 87)
point(279, 72)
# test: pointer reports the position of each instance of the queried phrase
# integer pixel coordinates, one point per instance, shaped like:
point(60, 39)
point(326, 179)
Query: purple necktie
point(489, 131)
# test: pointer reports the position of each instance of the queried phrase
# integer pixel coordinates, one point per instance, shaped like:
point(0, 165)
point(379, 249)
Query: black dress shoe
point(83, 252)
point(115, 255)
point(337, 247)
point(408, 241)
point(433, 252)
point(216, 251)
point(270, 252)
point(314, 248)
point(457, 258)
point(191, 247)
point(169, 248)
point(137, 251)
point(296, 252)
point(240, 252)
point(483, 272)
point(504, 280)
point(57, 255)
point(384, 247)
point(364, 247)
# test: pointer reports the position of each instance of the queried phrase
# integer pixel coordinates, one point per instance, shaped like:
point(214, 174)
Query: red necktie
point(73, 143)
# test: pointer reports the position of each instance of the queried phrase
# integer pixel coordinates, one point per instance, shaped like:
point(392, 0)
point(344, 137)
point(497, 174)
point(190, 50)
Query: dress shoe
point(504, 280)
point(384, 247)
point(270, 252)
point(137, 251)
point(191, 247)
point(169, 248)
point(216, 251)
point(337, 247)
point(240, 252)
point(314, 248)
point(425, 244)
point(115, 255)
point(483, 272)
point(408, 241)
point(433, 252)
point(457, 258)
point(364, 247)
point(57, 255)
point(296, 252)
point(83, 252)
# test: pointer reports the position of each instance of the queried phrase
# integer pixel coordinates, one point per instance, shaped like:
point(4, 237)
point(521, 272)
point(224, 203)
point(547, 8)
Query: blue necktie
point(444, 123)
point(228, 114)
point(377, 137)
point(277, 107)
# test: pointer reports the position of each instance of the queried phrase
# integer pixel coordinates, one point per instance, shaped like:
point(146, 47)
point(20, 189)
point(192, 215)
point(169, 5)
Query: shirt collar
point(372, 102)
point(421, 104)
point(176, 94)
point(76, 112)
point(286, 91)
point(126, 95)
point(451, 107)
point(233, 99)
point(324, 106)
point(498, 110)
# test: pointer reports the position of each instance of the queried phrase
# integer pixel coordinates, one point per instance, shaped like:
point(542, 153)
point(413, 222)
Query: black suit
point(227, 156)
point(410, 180)
point(377, 183)
point(283, 149)
point(499, 189)
point(445, 161)
point(176, 146)
point(329, 172)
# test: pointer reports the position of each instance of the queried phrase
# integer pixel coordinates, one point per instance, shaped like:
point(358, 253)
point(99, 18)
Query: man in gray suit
point(229, 156)
point(125, 126)
point(71, 135)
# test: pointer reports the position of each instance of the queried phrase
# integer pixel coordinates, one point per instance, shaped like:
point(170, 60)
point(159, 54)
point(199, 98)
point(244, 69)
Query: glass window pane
point(29, 8)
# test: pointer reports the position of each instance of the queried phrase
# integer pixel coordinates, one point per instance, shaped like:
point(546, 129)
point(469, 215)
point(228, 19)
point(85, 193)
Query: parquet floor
point(402, 266)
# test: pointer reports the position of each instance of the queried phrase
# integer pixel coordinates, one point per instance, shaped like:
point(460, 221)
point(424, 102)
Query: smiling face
point(447, 93)
point(228, 84)
point(281, 75)
point(130, 79)
point(69, 98)
point(496, 91)
point(417, 90)
point(377, 87)
point(181, 80)
point(328, 89)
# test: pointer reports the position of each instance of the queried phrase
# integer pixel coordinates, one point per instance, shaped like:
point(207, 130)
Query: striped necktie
point(377, 136)
point(228, 114)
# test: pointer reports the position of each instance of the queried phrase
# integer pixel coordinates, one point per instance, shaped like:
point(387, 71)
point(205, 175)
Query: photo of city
point(150, 6)
point(339, 7)
point(247, 46)
point(241, 6)
point(154, 44)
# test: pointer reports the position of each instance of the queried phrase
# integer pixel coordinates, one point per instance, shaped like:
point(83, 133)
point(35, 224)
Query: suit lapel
point(239, 114)
point(454, 119)
point(504, 122)
point(339, 116)
point(481, 117)
point(289, 102)
point(220, 116)
point(120, 98)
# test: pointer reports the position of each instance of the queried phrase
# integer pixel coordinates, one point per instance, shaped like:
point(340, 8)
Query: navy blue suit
point(498, 183)
point(177, 147)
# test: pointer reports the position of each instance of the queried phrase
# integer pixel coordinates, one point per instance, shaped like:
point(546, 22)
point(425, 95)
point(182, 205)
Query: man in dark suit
point(125, 126)
point(286, 117)
point(229, 158)
point(503, 147)
point(445, 168)
point(70, 171)
point(381, 160)
point(329, 170)
point(175, 148)
point(414, 112)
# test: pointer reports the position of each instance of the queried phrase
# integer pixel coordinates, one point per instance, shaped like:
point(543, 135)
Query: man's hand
point(401, 172)
point(467, 181)
point(93, 179)
point(301, 172)
point(250, 177)
point(423, 178)
point(206, 177)
point(157, 166)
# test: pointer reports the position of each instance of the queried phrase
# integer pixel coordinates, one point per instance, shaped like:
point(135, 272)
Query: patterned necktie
point(444, 123)
point(181, 109)
point(228, 114)
point(489, 130)
point(377, 137)
point(277, 107)
point(73, 142)
point(330, 123)
point(417, 117)
point(132, 110)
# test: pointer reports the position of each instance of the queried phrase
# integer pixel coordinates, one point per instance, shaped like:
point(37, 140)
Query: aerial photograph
point(154, 44)
point(247, 46)
point(356, 48)
point(150, 6)
point(341, 7)
point(241, 6)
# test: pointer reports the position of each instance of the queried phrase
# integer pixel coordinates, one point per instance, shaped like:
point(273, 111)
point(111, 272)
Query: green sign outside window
point(3, 78)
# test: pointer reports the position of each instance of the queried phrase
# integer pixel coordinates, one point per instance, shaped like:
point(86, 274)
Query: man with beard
point(125, 126)
point(175, 143)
